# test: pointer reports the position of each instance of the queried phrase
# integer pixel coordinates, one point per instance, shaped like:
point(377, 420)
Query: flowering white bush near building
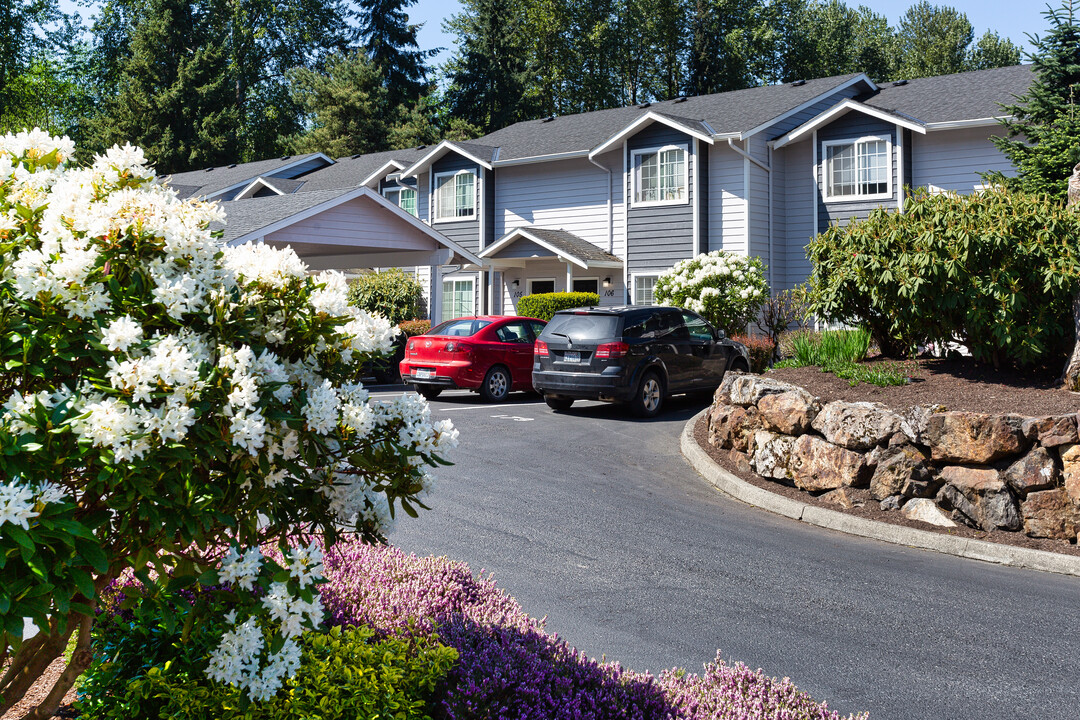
point(165, 397)
point(724, 288)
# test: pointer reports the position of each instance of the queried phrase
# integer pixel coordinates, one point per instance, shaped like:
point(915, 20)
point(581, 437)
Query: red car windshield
point(463, 327)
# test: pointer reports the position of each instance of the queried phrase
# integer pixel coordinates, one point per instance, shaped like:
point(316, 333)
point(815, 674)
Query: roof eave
point(840, 109)
point(972, 123)
point(636, 125)
point(382, 171)
point(437, 152)
point(860, 78)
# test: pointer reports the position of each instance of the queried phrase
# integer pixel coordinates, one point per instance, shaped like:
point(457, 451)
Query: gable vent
point(549, 118)
point(899, 83)
point(679, 99)
point(798, 83)
point(645, 105)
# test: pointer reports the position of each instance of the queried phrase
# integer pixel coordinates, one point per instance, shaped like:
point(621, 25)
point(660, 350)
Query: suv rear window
point(583, 327)
point(459, 328)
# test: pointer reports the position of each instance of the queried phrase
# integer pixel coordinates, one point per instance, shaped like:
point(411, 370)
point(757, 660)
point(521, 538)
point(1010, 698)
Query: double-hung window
point(458, 298)
point(643, 289)
point(858, 169)
point(455, 195)
point(660, 175)
point(403, 197)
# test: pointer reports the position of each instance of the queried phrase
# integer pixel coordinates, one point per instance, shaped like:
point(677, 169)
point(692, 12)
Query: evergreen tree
point(428, 121)
point(488, 73)
point(932, 40)
point(390, 42)
point(722, 45)
point(346, 105)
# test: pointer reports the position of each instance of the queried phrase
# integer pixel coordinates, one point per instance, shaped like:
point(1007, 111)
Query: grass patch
point(842, 352)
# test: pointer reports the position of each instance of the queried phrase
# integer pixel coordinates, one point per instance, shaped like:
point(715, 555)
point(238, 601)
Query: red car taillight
point(611, 351)
point(456, 346)
point(540, 348)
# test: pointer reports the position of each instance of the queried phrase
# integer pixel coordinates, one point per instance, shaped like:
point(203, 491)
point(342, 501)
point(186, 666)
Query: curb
point(842, 522)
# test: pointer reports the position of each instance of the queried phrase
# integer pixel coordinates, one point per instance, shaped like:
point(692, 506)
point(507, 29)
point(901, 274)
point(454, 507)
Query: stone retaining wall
point(993, 472)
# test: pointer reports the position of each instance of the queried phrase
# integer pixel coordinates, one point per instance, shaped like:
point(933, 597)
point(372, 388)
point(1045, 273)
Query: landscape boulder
point(858, 425)
point(770, 454)
point(915, 419)
point(790, 412)
point(819, 465)
point(1035, 471)
point(901, 470)
point(1050, 514)
point(968, 437)
point(731, 426)
point(1051, 431)
point(1070, 469)
point(742, 389)
point(981, 498)
point(927, 511)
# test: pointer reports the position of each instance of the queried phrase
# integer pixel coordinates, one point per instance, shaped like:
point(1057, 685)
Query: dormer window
point(403, 197)
point(660, 175)
point(858, 169)
point(455, 195)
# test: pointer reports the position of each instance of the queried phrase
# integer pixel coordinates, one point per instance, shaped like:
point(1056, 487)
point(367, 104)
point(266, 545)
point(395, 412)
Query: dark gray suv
point(637, 355)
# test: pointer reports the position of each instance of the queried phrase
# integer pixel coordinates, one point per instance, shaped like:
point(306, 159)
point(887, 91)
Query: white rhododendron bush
point(169, 406)
point(724, 288)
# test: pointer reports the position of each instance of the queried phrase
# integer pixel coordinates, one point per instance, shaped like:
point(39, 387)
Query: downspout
point(767, 167)
point(610, 210)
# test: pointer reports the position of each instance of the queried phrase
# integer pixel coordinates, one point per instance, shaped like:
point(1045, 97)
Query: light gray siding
point(659, 236)
point(727, 200)
point(796, 204)
point(701, 188)
point(853, 125)
point(953, 159)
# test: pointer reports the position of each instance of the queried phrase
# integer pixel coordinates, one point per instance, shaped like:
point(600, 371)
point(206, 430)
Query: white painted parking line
point(515, 418)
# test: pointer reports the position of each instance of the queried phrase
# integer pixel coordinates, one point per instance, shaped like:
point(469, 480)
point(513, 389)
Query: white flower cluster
point(18, 501)
point(238, 659)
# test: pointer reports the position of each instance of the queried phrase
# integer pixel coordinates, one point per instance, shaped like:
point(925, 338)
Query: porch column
point(569, 276)
point(435, 310)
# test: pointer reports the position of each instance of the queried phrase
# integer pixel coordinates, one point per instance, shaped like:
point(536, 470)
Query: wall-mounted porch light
point(607, 282)
point(516, 283)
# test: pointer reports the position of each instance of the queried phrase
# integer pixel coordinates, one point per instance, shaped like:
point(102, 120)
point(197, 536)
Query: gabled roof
point(482, 155)
point(350, 172)
point(694, 128)
point(279, 186)
point(216, 181)
point(564, 245)
point(844, 108)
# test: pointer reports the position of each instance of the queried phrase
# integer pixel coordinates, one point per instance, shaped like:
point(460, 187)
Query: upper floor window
point(858, 169)
point(455, 195)
point(403, 197)
point(660, 175)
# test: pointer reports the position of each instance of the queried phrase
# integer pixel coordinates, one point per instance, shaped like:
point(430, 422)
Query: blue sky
point(1010, 19)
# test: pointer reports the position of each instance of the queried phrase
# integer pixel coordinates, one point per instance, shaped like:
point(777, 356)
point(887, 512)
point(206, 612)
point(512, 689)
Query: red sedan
point(492, 354)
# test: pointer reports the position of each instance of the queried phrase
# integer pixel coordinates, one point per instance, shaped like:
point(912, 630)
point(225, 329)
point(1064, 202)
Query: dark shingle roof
point(962, 96)
point(251, 214)
point(736, 111)
point(349, 172)
point(216, 179)
point(285, 185)
point(570, 244)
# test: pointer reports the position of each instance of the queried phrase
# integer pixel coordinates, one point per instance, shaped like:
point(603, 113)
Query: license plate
point(571, 356)
point(425, 374)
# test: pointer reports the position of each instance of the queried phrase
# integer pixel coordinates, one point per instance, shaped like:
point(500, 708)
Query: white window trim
point(634, 202)
point(634, 284)
point(594, 279)
point(529, 283)
point(855, 141)
point(471, 279)
point(435, 196)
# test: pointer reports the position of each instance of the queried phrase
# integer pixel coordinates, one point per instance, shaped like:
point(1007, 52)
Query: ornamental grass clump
point(724, 288)
point(166, 398)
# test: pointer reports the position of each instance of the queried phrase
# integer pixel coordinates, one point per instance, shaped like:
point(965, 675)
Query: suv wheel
point(650, 396)
point(496, 385)
point(740, 365)
point(428, 391)
point(558, 403)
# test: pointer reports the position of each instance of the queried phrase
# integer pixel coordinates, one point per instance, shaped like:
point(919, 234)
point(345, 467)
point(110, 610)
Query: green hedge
point(544, 305)
point(995, 271)
point(390, 293)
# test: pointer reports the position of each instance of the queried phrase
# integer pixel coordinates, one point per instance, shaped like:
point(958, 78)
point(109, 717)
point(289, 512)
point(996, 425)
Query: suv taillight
point(540, 348)
point(456, 346)
point(611, 351)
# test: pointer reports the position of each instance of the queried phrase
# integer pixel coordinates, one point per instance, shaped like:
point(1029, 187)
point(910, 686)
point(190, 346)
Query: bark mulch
point(40, 690)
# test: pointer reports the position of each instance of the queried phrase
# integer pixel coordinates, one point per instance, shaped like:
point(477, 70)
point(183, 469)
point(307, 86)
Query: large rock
point(925, 510)
point(915, 419)
point(856, 426)
point(1035, 471)
point(1051, 431)
point(741, 389)
point(731, 426)
point(967, 437)
point(790, 412)
point(1050, 514)
point(770, 454)
point(818, 465)
point(981, 497)
point(901, 470)
point(1070, 469)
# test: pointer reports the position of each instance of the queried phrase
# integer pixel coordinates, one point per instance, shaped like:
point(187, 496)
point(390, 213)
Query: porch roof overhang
point(844, 108)
point(547, 244)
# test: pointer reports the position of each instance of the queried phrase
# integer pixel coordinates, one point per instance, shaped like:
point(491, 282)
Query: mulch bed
point(40, 690)
point(871, 509)
point(957, 384)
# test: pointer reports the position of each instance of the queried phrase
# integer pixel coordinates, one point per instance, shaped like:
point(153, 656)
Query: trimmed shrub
point(724, 288)
point(543, 306)
point(390, 293)
point(412, 328)
point(762, 350)
point(994, 271)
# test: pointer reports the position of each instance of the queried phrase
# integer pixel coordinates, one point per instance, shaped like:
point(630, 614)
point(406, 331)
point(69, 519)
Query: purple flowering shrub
point(509, 668)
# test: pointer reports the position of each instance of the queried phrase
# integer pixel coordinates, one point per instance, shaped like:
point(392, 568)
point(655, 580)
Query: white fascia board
point(860, 78)
point(384, 170)
point(542, 158)
point(303, 159)
point(973, 123)
point(521, 233)
point(842, 109)
point(352, 195)
point(259, 181)
point(437, 152)
point(647, 118)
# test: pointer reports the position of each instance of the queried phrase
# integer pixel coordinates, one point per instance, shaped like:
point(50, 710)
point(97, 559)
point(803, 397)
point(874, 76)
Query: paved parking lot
point(593, 519)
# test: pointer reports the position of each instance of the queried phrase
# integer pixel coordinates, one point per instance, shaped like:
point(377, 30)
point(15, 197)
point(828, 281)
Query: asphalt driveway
point(594, 520)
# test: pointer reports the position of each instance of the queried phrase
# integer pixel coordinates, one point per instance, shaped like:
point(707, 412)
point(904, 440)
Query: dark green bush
point(544, 305)
point(995, 271)
point(390, 293)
